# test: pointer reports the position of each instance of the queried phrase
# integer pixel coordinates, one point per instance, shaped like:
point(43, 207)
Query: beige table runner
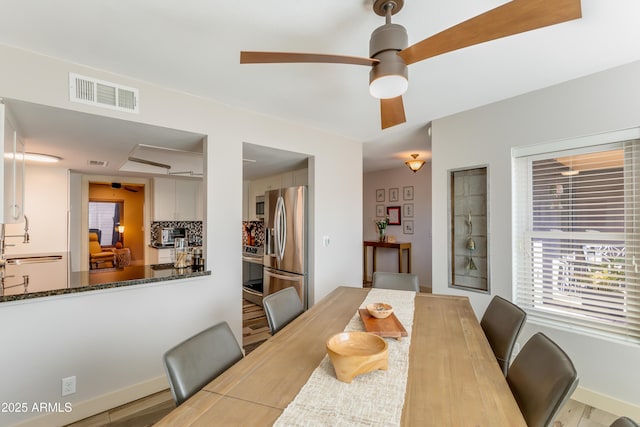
point(372, 399)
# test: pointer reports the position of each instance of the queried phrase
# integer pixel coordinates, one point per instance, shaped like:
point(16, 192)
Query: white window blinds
point(576, 236)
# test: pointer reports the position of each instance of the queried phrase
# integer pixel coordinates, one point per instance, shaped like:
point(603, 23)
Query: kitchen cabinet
point(12, 190)
point(258, 187)
point(200, 200)
point(177, 199)
point(300, 177)
point(294, 178)
point(162, 255)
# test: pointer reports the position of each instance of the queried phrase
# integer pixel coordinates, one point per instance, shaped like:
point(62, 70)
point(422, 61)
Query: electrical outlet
point(68, 385)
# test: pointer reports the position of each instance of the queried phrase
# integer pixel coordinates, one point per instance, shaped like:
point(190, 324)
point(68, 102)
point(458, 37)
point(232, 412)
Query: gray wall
point(602, 102)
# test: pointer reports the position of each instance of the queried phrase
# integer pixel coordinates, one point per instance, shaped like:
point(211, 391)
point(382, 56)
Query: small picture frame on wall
point(407, 210)
point(379, 210)
point(407, 227)
point(393, 212)
point(393, 194)
point(407, 193)
point(380, 195)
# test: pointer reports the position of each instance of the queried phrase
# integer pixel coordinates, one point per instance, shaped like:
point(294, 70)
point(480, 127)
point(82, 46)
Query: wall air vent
point(101, 163)
point(88, 90)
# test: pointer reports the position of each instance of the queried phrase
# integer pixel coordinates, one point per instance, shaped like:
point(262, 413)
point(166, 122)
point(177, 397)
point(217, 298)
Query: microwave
point(170, 234)
point(260, 206)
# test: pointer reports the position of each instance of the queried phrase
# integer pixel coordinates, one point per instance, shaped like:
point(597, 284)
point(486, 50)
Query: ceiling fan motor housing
point(385, 43)
point(388, 37)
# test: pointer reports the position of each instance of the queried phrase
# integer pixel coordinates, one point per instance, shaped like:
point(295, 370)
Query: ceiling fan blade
point(392, 112)
point(517, 16)
point(288, 57)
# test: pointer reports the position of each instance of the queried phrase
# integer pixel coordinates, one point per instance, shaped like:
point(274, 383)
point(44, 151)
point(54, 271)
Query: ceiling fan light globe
point(390, 86)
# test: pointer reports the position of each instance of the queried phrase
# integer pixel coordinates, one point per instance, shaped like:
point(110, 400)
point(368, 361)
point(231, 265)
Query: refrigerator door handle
point(280, 228)
point(290, 277)
point(267, 241)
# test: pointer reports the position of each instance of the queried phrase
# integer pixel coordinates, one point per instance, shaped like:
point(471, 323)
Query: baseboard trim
point(606, 403)
point(99, 404)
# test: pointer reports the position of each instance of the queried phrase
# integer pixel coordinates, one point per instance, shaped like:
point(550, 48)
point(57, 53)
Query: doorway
point(117, 211)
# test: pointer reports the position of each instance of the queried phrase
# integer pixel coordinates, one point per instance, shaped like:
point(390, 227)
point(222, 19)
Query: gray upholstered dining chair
point(199, 359)
point(624, 422)
point(281, 308)
point(501, 323)
point(397, 281)
point(542, 378)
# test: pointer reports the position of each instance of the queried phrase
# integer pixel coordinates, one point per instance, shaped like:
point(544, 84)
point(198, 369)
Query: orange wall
point(133, 236)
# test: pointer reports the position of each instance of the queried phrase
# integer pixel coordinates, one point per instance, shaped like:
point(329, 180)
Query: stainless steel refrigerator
point(285, 255)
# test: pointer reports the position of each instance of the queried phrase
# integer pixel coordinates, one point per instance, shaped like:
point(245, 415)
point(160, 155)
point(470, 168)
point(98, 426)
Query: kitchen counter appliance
point(170, 234)
point(285, 253)
point(252, 284)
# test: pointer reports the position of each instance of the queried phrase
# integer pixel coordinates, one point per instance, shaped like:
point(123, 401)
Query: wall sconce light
point(415, 164)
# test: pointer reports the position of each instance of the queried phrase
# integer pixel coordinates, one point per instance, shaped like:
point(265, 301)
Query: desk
point(454, 379)
point(399, 246)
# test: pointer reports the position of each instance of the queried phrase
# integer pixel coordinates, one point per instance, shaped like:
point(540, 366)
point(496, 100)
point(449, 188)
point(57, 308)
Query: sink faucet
point(3, 238)
point(25, 238)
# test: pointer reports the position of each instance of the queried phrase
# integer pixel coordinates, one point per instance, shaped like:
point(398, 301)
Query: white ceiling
point(80, 138)
point(194, 46)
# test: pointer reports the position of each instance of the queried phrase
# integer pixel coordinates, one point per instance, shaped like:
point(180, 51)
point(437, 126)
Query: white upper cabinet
point(177, 200)
point(12, 171)
point(300, 177)
point(200, 200)
point(258, 187)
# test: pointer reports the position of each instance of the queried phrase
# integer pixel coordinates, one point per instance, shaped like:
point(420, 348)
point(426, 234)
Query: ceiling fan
point(117, 185)
point(389, 53)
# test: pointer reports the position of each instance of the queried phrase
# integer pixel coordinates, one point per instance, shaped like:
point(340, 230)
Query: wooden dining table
point(453, 377)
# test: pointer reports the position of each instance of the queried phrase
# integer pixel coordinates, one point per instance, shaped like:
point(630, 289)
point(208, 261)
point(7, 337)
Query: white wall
point(387, 259)
point(594, 104)
point(113, 340)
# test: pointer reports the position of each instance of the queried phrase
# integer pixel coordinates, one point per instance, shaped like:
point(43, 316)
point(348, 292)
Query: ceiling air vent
point(88, 90)
point(101, 163)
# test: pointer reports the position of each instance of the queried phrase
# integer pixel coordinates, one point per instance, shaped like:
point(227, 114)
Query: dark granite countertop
point(84, 281)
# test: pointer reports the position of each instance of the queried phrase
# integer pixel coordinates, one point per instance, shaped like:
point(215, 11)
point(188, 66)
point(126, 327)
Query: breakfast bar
point(453, 377)
point(40, 276)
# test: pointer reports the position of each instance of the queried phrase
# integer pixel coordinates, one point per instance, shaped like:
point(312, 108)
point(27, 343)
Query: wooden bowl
point(356, 353)
point(379, 310)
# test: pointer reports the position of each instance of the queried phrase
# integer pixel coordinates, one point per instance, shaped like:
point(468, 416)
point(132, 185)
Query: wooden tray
point(389, 327)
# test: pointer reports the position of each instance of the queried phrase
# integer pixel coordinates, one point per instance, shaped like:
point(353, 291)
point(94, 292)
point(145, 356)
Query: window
point(104, 217)
point(576, 237)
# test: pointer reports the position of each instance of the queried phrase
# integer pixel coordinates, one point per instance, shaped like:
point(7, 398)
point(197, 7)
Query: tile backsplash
point(253, 233)
point(194, 230)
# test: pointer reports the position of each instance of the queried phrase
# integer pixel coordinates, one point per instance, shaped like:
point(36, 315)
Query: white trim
point(99, 404)
point(606, 403)
point(579, 142)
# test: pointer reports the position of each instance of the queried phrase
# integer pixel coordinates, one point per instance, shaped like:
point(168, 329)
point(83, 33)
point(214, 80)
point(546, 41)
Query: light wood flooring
point(255, 329)
point(146, 411)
